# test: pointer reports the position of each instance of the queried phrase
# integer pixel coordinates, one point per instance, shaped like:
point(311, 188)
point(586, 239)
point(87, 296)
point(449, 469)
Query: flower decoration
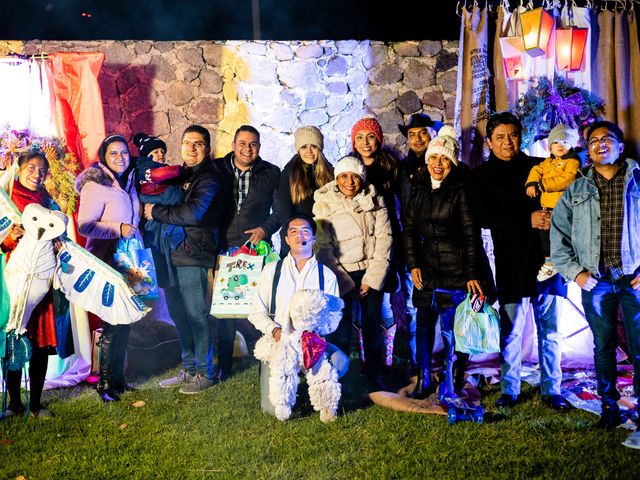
point(63, 165)
point(548, 103)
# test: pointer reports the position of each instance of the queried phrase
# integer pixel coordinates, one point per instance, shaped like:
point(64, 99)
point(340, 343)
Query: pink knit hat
point(370, 124)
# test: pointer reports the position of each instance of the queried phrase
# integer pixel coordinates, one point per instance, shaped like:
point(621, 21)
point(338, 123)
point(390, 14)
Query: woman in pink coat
point(109, 210)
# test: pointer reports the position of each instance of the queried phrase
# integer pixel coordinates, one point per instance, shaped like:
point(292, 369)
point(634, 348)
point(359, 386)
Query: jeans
point(190, 313)
point(601, 309)
point(337, 358)
point(512, 322)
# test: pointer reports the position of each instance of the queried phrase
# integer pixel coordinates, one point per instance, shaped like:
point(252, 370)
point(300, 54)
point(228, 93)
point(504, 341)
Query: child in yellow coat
point(550, 179)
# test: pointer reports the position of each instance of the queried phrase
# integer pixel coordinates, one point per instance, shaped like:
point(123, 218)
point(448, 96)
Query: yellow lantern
point(570, 44)
point(537, 25)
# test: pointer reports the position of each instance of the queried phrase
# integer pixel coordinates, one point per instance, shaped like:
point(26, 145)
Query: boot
point(389, 335)
point(120, 343)
point(105, 385)
point(424, 387)
point(459, 370)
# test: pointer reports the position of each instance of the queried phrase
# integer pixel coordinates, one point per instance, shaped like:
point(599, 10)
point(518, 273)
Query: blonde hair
point(301, 184)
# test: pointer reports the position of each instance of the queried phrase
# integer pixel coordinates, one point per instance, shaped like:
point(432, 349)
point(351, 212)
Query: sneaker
point(633, 440)
point(180, 379)
point(546, 272)
point(198, 384)
point(610, 417)
point(507, 401)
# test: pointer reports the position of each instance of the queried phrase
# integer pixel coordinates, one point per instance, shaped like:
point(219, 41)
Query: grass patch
point(222, 433)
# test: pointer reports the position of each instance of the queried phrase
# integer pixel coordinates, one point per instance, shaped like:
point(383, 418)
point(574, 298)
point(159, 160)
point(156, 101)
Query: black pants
point(37, 372)
point(371, 314)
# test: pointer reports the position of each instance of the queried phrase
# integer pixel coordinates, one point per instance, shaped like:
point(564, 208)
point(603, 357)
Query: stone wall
point(162, 87)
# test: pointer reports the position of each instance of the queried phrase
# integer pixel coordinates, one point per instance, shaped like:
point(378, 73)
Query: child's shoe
point(546, 272)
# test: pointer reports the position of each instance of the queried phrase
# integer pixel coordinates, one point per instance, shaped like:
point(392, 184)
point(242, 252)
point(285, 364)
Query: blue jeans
point(512, 322)
point(190, 313)
point(601, 309)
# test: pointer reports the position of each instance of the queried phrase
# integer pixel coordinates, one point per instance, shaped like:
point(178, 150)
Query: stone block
point(337, 88)
point(253, 48)
point(409, 102)
point(390, 120)
point(418, 75)
point(210, 81)
point(376, 55)
point(298, 74)
point(433, 99)
point(205, 110)
point(380, 97)
point(387, 75)
point(406, 49)
point(163, 69)
point(346, 47)
point(118, 54)
point(448, 81)
point(179, 93)
point(337, 66)
point(312, 50)
point(315, 100)
point(212, 53)
point(446, 60)
point(429, 48)
point(190, 55)
point(314, 117)
point(281, 51)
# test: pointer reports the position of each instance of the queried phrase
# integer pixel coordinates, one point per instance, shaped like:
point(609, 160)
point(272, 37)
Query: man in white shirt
point(299, 270)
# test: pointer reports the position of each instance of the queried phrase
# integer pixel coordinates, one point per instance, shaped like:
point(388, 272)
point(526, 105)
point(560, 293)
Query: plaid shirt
point(611, 213)
point(241, 185)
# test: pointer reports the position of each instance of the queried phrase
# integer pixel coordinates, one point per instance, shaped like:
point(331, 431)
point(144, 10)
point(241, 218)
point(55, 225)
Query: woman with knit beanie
point(383, 173)
point(307, 171)
point(109, 210)
point(443, 250)
point(354, 241)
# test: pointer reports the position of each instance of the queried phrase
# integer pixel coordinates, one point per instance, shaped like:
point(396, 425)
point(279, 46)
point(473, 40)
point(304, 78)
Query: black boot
point(105, 386)
point(424, 387)
point(610, 417)
point(459, 370)
point(120, 343)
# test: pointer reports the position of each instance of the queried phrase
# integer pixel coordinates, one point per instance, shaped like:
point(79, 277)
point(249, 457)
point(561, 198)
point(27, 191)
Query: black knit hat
point(147, 143)
point(419, 120)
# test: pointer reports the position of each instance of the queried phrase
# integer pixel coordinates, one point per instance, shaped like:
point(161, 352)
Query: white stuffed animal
point(311, 313)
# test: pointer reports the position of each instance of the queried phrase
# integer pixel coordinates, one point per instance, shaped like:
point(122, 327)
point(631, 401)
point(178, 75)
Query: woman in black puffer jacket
point(443, 250)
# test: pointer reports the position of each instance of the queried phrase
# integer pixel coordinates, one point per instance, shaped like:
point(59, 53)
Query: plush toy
point(312, 313)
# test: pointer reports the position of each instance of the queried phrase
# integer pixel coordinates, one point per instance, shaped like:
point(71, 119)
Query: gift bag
point(476, 327)
point(235, 285)
point(136, 264)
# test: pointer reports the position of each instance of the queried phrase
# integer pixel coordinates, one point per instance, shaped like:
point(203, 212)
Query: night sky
point(228, 20)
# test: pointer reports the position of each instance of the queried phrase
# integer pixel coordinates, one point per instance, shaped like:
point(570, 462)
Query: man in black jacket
point(199, 214)
point(502, 205)
point(248, 214)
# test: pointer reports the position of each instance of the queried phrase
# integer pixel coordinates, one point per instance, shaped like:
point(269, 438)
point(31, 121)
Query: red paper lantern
point(512, 49)
point(570, 44)
point(537, 26)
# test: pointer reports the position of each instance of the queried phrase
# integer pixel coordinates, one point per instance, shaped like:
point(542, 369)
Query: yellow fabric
point(555, 175)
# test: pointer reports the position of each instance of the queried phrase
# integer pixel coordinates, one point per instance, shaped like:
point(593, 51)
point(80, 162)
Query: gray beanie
point(309, 135)
point(561, 133)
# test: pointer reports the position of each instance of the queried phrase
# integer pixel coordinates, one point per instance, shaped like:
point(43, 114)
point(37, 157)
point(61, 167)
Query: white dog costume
point(311, 313)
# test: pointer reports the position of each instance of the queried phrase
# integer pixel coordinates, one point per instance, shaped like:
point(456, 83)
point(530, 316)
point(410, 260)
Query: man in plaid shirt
point(595, 241)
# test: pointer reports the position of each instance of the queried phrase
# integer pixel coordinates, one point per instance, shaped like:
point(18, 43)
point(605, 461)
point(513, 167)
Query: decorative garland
point(546, 104)
point(63, 165)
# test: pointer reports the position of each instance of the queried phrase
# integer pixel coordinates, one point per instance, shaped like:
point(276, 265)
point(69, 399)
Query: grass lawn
point(223, 434)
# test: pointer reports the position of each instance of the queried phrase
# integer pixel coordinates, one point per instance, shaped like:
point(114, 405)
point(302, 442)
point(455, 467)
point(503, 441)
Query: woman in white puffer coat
point(354, 240)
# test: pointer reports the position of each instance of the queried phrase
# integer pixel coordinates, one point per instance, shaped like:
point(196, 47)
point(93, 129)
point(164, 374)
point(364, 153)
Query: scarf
point(22, 196)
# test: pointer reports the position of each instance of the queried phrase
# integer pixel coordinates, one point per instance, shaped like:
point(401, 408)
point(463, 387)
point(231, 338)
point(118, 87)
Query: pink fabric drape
point(78, 100)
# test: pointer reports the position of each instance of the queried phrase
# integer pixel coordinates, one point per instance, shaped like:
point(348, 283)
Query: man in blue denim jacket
point(595, 240)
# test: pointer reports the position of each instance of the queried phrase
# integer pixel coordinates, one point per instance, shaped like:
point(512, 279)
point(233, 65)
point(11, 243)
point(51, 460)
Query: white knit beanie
point(563, 134)
point(350, 164)
point(309, 135)
point(446, 143)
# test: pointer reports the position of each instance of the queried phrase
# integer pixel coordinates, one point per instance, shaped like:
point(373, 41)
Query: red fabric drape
point(78, 99)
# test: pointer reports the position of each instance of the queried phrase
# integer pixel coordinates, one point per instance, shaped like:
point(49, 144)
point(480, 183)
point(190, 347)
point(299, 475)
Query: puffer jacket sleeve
point(470, 236)
point(410, 232)
point(535, 175)
point(326, 244)
point(193, 211)
point(90, 213)
point(560, 181)
point(379, 262)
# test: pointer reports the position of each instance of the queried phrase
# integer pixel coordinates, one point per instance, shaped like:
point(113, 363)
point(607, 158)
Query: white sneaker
point(180, 379)
point(546, 272)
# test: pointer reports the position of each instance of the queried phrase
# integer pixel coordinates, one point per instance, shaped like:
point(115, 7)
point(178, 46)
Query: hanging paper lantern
point(570, 44)
point(512, 49)
point(537, 26)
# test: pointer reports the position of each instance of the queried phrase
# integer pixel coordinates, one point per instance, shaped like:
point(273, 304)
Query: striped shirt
point(611, 212)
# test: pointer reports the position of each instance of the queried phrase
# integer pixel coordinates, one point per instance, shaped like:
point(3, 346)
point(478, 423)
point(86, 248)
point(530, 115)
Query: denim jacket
point(575, 226)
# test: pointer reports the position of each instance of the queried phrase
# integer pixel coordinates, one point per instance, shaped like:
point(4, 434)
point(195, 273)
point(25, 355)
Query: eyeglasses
point(607, 139)
point(188, 144)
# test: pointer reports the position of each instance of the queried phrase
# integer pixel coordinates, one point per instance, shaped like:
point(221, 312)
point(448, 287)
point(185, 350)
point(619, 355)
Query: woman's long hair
point(302, 184)
point(388, 164)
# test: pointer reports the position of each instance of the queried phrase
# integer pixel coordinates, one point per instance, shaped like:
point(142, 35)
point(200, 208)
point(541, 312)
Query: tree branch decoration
point(63, 165)
point(546, 104)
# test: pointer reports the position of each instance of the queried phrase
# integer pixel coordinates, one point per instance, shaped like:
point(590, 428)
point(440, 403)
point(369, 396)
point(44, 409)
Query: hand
point(127, 230)
point(586, 281)
point(17, 232)
point(635, 282)
point(148, 211)
point(532, 191)
point(257, 234)
point(416, 277)
point(541, 219)
point(474, 287)
point(364, 290)
point(277, 333)
point(57, 245)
